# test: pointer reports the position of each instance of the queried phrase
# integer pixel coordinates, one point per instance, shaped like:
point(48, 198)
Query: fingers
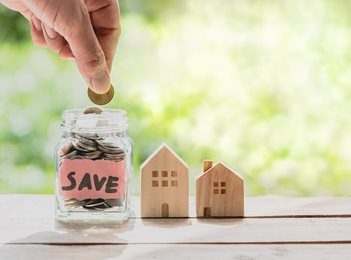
point(56, 42)
point(45, 36)
point(71, 20)
point(93, 67)
point(26, 13)
point(90, 57)
point(66, 52)
point(105, 19)
point(108, 39)
point(37, 32)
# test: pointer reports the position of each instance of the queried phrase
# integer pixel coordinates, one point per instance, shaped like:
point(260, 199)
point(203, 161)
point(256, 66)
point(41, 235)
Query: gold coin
point(92, 110)
point(101, 99)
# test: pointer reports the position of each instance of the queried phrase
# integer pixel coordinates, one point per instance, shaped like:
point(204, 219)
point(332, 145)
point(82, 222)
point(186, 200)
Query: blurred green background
point(263, 86)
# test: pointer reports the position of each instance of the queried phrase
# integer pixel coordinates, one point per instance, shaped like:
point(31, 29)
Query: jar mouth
point(110, 120)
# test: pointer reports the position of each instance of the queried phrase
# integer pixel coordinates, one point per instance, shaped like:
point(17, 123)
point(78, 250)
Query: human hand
point(84, 30)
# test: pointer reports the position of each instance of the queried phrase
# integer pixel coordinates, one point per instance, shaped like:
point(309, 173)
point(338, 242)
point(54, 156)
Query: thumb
point(91, 62)
point(71, 20)
point(90, 57)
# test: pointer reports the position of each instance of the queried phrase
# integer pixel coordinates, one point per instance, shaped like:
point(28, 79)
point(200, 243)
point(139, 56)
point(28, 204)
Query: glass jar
point(94, 168)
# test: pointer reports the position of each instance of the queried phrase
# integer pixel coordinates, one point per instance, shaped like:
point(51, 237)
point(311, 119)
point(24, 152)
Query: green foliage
point(13, 27)
point(262, 86)
point(152, 10)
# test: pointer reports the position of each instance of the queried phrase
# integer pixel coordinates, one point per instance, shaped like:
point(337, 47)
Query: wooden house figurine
point(164, 185)
point(219, 192)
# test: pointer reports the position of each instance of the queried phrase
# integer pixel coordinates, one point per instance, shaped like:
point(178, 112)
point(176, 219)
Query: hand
point(84, 30)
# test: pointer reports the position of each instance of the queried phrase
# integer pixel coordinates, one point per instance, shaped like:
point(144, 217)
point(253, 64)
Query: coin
point(90, 136)
point(66, 149)
point(92, 110)
point(69, 155)
point(101, 99)
point(114, 202)
point(77, 157)
point(92, 155)
point(94, 203)
point(85, 140)
point(73, 203)
point(102, 206)
point(107, 143)
point(116, 158)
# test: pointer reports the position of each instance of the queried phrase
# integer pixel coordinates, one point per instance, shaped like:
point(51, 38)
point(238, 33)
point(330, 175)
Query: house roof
point(217, 164)
point(156, 152)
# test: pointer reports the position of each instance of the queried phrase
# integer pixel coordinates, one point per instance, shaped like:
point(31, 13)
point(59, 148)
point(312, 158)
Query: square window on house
point(215, 191)
point(174, 183)
point(174, 173)
point(215, 184)
point(164, 183)
point(222, 183)
point(154, 174)
point(164, 174)
point(222, 191)
point(154, 183)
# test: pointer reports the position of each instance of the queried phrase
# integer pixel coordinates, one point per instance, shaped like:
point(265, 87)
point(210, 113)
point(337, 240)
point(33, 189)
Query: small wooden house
point(219, 192)
point(164, 185)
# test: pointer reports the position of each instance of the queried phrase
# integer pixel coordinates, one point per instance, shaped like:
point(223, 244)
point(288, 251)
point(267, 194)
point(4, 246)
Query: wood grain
point(145, 252)
point(275, 228)
point(164, 185)
point(219, 192)
point(269, 206)
point(44, 230)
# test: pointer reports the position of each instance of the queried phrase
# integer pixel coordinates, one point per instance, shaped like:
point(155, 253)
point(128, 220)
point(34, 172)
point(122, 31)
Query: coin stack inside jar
point(86, 148)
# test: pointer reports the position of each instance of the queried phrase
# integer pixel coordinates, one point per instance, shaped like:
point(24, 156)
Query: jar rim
point(110, 120)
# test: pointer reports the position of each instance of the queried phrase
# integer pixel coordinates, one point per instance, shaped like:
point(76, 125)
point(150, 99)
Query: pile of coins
point(93, 204)
point(92, 146)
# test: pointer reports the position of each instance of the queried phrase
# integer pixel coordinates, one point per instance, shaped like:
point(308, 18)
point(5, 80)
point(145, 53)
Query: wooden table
point(274, 227)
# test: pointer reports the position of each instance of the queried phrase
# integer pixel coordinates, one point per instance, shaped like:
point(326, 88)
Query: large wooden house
point(164, 185)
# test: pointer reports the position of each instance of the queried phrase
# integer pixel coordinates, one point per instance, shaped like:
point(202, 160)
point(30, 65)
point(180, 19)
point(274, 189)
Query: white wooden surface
point(183, 252)
point(274, 227)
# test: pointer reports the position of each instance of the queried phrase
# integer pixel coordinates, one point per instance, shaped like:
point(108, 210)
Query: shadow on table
point(182, 222)
point(80, 233)
point(221, 221)
point(166, 222)
point(115, 228)
point(52, 252)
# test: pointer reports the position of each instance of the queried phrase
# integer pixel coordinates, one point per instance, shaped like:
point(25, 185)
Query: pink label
point(88, 179)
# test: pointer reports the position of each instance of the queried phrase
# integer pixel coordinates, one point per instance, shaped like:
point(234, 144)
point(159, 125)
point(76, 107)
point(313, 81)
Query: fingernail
point(50, 32)
point(68, 58)
point(37, 23)
point(101, 82)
